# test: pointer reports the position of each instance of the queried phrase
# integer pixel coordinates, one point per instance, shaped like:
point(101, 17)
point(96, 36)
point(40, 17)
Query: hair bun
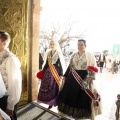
point(82, 40)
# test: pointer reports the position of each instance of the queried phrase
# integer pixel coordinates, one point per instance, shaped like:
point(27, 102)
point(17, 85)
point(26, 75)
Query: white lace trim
point(79, 62)
point(53, 58)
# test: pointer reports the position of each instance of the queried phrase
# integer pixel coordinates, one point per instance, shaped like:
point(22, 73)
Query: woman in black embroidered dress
point(73, 100)
point(49, 89)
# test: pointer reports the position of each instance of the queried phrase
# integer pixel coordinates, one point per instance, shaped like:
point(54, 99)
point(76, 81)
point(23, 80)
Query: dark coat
point(40, 61)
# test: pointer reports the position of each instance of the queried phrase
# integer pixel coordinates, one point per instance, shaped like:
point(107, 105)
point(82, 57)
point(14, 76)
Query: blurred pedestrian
point(101, 61)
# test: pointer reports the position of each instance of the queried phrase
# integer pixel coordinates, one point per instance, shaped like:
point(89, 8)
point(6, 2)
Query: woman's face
point(81, 46)
point(52, 45)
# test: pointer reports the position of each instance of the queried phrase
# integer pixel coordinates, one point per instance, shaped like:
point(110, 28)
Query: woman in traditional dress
point(49, 89)
point(73, 100)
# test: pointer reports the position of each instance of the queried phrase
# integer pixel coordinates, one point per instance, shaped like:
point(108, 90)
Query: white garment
point(108, 63)
point(54, 59)
point(81, 63)
point(4, 115)
point(2, 87)
point(11, 74)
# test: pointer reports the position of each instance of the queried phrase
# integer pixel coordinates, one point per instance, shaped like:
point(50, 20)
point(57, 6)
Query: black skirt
point(101, 64)
point(73, 100)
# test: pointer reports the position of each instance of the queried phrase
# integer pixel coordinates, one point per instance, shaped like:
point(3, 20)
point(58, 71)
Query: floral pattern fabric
point(79, 62)
point(3, 59)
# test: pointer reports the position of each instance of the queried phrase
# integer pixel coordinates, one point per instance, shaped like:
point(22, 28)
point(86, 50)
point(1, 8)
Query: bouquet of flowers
point(40, 74)
point(91, 76)
point(92, 71)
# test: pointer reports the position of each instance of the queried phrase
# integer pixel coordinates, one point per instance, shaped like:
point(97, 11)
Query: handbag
point(2, 87)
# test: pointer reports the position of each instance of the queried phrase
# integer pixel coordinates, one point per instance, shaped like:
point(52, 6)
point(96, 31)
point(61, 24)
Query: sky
point(97, 20)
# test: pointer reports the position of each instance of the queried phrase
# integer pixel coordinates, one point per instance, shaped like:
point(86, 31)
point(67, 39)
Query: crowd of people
point(111, 62)
point(71, 89)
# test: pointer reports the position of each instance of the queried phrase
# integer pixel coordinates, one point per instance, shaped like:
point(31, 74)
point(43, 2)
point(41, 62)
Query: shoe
point(49, 107)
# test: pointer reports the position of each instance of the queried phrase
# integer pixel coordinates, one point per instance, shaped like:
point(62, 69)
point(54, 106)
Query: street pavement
point(108, 85)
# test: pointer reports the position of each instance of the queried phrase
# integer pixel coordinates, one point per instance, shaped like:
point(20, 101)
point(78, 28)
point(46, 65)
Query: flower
point(92, 69)
point(40, 74)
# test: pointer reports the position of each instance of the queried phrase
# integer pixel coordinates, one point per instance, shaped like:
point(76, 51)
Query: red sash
point(83, 84)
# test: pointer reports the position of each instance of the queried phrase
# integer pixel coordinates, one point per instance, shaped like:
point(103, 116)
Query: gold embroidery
point(49, 59)
point(50, 56)
point(77, 61)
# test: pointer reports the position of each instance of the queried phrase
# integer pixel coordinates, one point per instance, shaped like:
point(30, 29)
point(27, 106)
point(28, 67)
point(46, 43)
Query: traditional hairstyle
point(82, 40)
point(4, 36)
point(53, 41)
point(62, 60)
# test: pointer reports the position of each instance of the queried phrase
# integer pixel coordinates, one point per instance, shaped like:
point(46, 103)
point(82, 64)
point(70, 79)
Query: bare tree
point(62, 36)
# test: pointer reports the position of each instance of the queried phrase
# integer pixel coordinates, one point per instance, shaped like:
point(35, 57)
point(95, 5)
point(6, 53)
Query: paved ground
point(108, 85)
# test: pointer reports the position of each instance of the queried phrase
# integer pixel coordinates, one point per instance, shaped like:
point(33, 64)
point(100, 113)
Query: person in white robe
point(10, 70)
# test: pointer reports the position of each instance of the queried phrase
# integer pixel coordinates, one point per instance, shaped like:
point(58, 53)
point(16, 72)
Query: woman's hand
point(61, 82)
point(1, 118)
point(63, 78)
point(90, 79)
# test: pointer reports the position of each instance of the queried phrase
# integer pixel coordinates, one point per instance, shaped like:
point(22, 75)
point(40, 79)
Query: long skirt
point(49, 90)
point(101, 64)
point(3, 106)
point(73, 100)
